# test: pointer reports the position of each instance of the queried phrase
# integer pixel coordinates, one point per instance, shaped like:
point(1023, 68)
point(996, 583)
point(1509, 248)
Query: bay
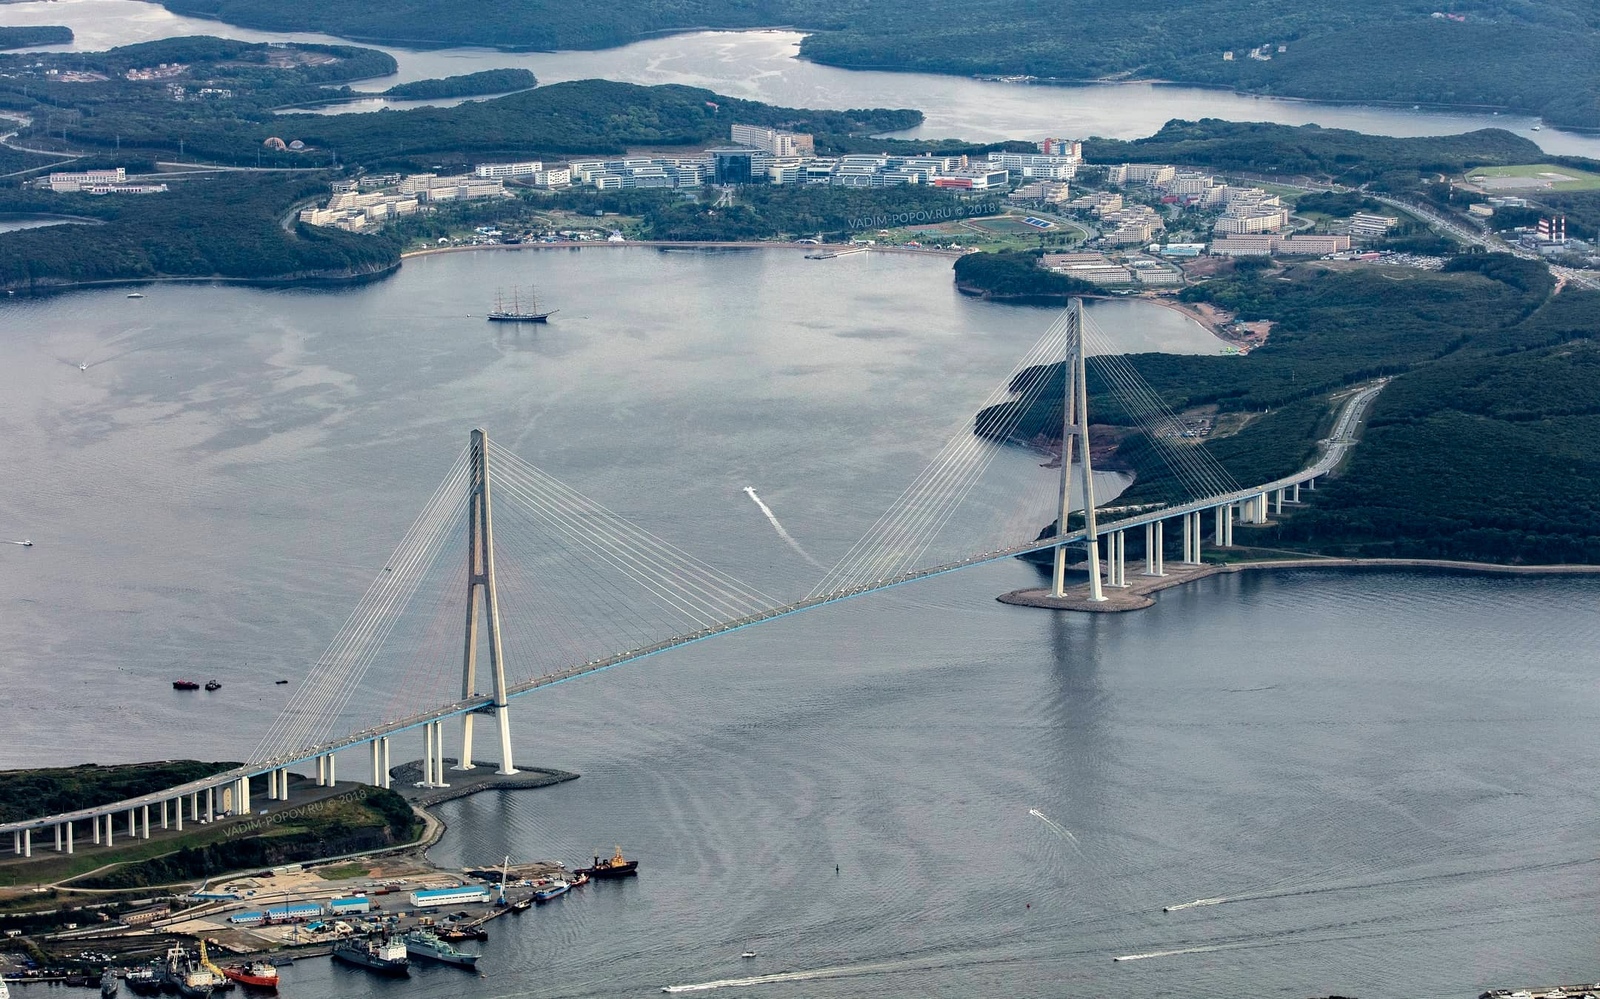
point(1382, 773)
point(764, 66)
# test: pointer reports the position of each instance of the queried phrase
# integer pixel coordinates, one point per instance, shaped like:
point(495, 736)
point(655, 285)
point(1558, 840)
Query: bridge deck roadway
point(1335, 448)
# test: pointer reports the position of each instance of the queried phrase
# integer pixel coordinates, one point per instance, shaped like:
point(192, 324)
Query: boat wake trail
point(847, 971)
point(788, 538)
point(1197, 903)
point(1423, 879)
point(1175, 953)
point(1060, 829)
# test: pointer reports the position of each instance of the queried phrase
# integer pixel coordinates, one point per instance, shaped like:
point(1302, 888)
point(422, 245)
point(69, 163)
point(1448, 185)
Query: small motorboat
point(185, 685)
point(83, 366)
point(748, 954)
point(580, 880)
point(134, 294)
point(25, 543)
point(280, 682)
point(213, 685)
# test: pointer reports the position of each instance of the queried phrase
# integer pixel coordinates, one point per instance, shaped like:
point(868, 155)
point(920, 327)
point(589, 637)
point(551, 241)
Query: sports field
point(1533, 177)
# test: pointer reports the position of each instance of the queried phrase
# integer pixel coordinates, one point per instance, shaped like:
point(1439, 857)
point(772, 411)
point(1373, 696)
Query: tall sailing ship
point(517, 313)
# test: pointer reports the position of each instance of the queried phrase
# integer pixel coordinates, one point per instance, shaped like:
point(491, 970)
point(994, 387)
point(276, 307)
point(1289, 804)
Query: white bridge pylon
point(481, 597)
point(1075, 432)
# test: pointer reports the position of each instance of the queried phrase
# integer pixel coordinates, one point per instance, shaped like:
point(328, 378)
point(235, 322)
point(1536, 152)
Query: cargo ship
point(423, 944)
point(615, 867)
point(517, 314)
point(256, 975)
point(384, 956)
point(555, 889)
point(188, 977)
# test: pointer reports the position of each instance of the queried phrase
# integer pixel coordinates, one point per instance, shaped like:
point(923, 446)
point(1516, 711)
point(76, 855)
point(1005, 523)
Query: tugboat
point(516, 314)
point(384, 956)
point(213, 685)
point(108, 985)
point(615, 867)
point(554, 889)
point(185, 685)
point(423, 944)
point(455, 933)
point(255, 975)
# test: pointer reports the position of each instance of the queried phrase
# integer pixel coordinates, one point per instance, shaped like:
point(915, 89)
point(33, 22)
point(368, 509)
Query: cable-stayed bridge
point(526, 582)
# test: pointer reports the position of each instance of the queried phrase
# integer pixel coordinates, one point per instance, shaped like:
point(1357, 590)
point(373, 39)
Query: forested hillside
point(1541, 56)
point(1481, 446)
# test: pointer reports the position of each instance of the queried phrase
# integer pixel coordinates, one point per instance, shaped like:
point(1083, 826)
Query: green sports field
point(1533, 177)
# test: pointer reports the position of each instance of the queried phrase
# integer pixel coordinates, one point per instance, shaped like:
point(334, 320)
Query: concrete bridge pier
point(1227, 524)
point(1154, 550)
point(427, 755)
point(178, 810)
point(144, 821)
point(1296, 497)
point(27, 842)
point(377, 773)
point(69, 837)
point(322, 771)
point(1277, 502)
point(436, 741)
point(385, 743)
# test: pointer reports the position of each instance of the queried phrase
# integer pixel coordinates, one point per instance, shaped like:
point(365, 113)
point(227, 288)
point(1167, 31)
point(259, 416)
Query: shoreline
point(674, 244)
point(1140, 592)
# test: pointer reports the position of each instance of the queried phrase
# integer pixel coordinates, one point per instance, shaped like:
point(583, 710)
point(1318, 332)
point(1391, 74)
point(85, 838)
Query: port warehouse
point(435, 897)
point(306, 910)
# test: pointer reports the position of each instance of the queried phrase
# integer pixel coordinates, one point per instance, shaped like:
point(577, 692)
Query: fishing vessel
point(423, 944)
point(185, 685)
point(516, 313)
point(256, 975)
point(553, 890)
point(144, 981)
point(384, 956)
point(614, 867)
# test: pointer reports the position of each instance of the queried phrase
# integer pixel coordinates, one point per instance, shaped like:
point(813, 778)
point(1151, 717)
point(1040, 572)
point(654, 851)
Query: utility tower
point(481, 594)
point(1075, 431)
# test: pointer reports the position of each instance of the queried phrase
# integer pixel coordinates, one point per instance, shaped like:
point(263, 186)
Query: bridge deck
point(1336, 447)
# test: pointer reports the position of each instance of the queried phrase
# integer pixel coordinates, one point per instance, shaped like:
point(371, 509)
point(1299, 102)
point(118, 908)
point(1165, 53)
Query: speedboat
point(213, 685)
point(83, 366)
point(748, 954)
point(134, 294)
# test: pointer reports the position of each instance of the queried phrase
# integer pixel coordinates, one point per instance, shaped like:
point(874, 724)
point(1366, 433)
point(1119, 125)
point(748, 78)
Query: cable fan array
point(900, 541)
point(321, 699)
point(575, 583)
